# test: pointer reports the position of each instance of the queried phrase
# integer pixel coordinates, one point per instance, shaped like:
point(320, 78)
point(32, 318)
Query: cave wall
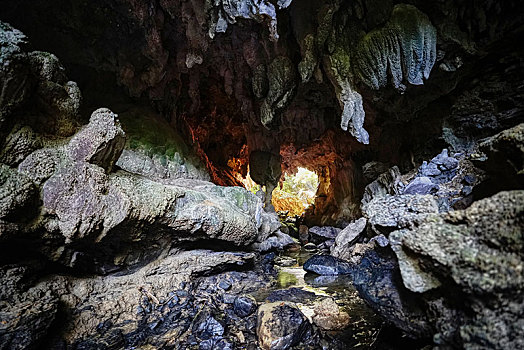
point(405, 80)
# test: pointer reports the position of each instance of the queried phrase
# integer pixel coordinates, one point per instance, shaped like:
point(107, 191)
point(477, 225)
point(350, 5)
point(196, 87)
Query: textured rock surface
point(327, 265)
point(280, 325)
point(346, 238)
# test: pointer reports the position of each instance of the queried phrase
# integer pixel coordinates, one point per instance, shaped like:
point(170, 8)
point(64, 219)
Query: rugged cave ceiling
point(276, 85)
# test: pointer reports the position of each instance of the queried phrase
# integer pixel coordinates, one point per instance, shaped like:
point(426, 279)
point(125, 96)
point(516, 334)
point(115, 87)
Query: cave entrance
point(296, 192)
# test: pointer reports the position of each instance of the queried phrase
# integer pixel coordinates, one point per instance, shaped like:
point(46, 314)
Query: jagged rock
point(400, 210)
point(280, 325)
point(18, 195)
point(265, 169)
point(57, 97)
point(505, 158)
point(346, 238)
point(413, 276)
point(101, 142)
point(372, 170)
point(387, 183)
point(404, 49)
point(281, 90)
point(42, 164)
point(327, 265)
point(320, 234)
point(26, 315)
point(15, 78)
point(18, 145)
point(480, 250)
point(377, 281)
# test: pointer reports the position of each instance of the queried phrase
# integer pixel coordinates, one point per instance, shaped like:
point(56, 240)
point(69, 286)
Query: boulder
point(399, 211)
point(421, 185)
point(346, 238)
point(280, 326)
point(387, 183)
point(327, 265)
point(319, 234)
point(100, 142)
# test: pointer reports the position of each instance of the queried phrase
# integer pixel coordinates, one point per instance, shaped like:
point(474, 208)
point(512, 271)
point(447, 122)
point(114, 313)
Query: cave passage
point(296, 192)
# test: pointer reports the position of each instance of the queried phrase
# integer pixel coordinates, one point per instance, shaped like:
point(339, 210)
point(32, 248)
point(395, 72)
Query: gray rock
point(327, 265)
point(280, 326)
point(319, 234)
point(421, 185)
point(399, 211)
point(42, 164)
point(413, 276)
point(15, 78)
point(17, 195)
point(100, 142)
point(346, 238)
point(386, 183)
point(276, 242)
point(18, 145)
point(380, 240)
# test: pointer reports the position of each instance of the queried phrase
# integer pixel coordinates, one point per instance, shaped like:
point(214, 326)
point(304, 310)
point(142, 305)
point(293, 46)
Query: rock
point(504, 160)
point(294, 295)
point(380, 240)
point(56, 96)
point(377, 280)
point(328, 315)
point(421, 185)
point(327, 265)
point(18, 195)
point(41, 164)
point(18, 145)
point(276, 242)
point(225, 285)
point(303, 233)
point(15, 79)
point(346, 238)
point(480, 250)
point(387, 183)
point(400, 210)
point(280, 325)
point(320, 234)
point(372, 170)
point(101, 142)
point(244, 305)
point(413, 276)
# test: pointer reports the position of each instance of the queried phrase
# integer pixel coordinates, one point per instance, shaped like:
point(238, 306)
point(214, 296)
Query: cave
point(261, 174)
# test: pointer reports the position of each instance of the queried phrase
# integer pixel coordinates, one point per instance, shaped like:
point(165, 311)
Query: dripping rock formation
point(141, 141)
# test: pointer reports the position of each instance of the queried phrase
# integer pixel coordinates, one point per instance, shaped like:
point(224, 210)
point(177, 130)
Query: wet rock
point(346, 238)
point(100, 142)
point(244, 305)
point(280, 325)
point(327, 265)
point(328, 315)
point(278, 241)
point(285, 261)
point(378, 282)
point(323, 233)
point(294, 295)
